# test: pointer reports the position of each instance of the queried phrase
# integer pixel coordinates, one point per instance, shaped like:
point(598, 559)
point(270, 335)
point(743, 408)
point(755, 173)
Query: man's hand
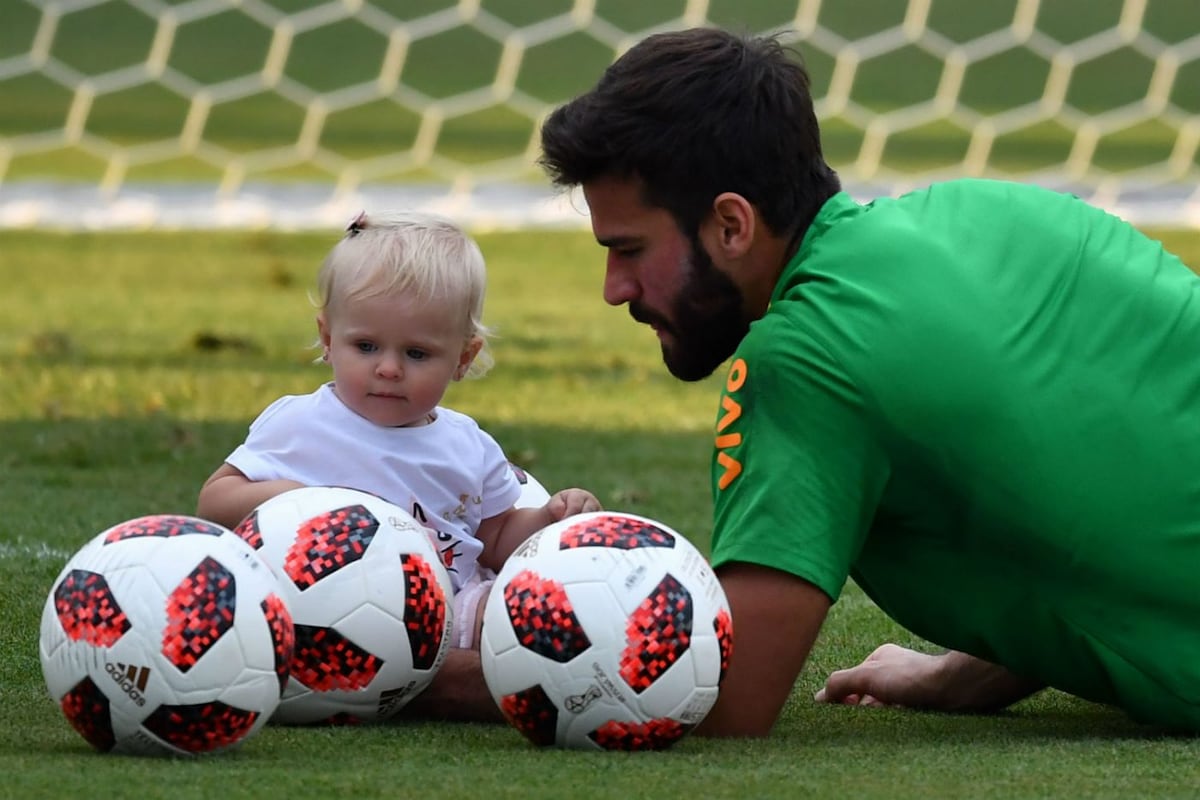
point(897, 676)
point(890, 676)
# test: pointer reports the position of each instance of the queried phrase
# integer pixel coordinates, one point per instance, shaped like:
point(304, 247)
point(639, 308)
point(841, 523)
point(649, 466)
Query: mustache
point(647, 317)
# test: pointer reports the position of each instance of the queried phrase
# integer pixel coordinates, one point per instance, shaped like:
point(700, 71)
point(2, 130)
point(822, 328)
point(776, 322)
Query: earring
point(325, 356)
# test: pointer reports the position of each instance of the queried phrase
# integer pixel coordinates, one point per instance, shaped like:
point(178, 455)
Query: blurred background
point(293, 114)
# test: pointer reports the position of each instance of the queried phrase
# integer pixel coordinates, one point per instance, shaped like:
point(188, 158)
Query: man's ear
point(730, 226)
point(467, 356)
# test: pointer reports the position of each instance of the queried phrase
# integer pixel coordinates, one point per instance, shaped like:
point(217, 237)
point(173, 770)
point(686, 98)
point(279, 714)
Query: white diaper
point(466, 605)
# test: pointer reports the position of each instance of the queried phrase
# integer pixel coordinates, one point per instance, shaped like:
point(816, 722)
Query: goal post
point(292, 113)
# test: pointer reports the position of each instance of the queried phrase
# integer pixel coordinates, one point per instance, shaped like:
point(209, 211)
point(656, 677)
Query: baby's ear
point(323, 334)
point(467, 356)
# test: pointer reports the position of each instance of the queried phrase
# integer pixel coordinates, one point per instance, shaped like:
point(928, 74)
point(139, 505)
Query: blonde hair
point(414, 253)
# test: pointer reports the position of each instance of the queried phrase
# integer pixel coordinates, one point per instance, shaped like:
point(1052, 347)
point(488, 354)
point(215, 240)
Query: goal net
point(295, 113)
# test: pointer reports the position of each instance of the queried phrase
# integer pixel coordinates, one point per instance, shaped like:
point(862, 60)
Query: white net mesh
point(294, 113)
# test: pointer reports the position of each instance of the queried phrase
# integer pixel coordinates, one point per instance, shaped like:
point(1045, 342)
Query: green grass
point(131, 364)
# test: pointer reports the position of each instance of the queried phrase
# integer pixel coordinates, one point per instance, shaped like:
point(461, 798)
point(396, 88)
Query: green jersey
point(982, 402)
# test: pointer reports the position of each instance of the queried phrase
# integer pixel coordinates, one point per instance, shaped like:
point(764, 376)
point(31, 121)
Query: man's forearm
point(972, 684)
point(458, 692)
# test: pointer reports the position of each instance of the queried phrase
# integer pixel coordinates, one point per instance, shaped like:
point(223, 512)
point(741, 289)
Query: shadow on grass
point(1048, 716)
point(70, 478)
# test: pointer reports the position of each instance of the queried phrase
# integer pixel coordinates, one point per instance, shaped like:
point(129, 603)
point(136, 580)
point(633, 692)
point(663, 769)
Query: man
point(980, 400)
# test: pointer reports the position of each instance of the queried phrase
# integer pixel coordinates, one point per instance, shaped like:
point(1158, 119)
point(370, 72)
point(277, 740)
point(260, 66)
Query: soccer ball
point(165, 635)
point(533, 493)
point(606, 631)
point(368, 595)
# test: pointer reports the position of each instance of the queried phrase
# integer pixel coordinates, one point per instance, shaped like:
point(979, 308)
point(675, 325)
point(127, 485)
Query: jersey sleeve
point(797, 471)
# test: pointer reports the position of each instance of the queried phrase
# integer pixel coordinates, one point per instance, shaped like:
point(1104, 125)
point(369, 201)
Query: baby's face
point(394, 355)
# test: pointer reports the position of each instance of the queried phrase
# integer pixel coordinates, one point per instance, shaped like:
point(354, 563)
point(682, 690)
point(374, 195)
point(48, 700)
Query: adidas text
point(131, 679)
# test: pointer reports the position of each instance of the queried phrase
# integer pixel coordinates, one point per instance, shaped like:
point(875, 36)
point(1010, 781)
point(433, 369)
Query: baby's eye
point(366, 347)
point(415, 354)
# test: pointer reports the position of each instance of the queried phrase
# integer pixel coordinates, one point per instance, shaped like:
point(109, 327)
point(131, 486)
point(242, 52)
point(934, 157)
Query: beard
point(708, 320)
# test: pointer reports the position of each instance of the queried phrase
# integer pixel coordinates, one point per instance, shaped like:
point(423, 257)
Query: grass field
point(131, 364)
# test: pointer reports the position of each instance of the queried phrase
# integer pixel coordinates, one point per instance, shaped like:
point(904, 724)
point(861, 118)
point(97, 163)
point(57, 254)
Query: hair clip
point(357, 224)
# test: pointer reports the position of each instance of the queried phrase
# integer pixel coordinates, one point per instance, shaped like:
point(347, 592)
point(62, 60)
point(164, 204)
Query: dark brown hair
point(695, 113)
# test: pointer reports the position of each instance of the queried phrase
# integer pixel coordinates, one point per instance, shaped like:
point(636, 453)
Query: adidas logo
point(130, 678)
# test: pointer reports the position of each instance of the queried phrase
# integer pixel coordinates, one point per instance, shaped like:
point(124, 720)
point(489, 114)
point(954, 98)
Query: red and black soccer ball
point(369, 597)
point(165, 634)
point(606, 631)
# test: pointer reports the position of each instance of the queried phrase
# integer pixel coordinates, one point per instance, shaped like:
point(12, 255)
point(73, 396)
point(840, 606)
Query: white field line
point(38, 551)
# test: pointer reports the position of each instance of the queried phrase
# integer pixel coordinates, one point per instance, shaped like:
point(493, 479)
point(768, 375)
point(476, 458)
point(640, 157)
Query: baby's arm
point(228, 495)
point(503, 533)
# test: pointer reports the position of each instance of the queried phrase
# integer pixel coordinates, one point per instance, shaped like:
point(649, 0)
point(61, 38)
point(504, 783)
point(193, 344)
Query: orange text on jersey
point(726, 439)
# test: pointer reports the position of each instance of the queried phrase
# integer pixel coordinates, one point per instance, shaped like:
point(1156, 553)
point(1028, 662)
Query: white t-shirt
point(449, 474)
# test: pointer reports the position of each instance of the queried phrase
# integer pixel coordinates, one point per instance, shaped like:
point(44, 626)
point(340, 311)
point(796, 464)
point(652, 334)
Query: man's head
point(695, 113)
point(700, 157)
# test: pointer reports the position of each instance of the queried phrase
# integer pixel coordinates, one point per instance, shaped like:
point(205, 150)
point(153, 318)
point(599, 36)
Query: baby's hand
point(571, 501)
